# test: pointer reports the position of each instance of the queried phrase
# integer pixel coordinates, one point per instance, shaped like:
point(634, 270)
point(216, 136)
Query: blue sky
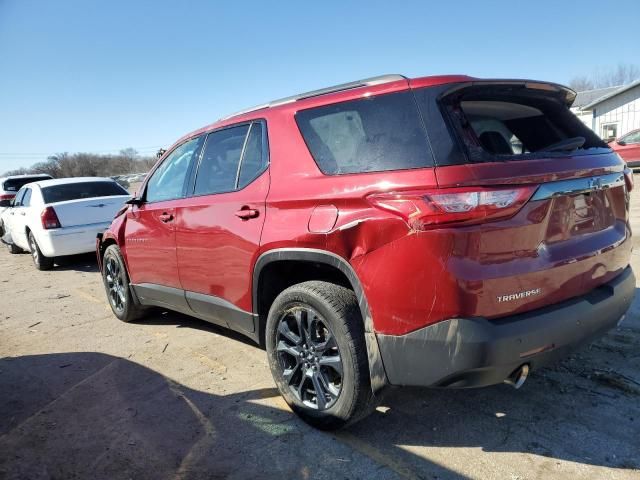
point(99, 76)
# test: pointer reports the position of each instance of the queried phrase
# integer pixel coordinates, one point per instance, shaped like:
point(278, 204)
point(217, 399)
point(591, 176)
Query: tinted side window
point(26, 199)
point(255, 159)
point(366, 135)
point(17, 201)
point(220, 161)
point(632, 138)
point(168, 181)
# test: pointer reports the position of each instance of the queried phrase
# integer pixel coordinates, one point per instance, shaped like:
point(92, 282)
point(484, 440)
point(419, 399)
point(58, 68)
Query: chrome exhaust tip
point(518, 377)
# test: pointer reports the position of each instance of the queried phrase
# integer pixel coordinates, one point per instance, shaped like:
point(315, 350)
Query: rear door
point(219, 227)
point(22, 215)
point(150, 243)
point(545, 200)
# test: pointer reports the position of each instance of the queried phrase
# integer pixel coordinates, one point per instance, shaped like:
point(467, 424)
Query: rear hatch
point(16, 183)
point(538, 210)
point(10, 186)
point(85, 203)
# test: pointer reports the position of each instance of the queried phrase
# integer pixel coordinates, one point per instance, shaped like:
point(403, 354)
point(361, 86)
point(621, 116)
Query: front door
point(219, 227)
point(17, 219)
point(150, 237)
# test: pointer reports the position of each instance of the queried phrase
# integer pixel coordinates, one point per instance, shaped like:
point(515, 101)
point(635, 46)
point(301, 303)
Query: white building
point(586, 97)
point(610, 112)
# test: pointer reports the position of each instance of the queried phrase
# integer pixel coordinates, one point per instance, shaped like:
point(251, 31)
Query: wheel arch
point(329, 262)
point(104, 244)
point(27, 231)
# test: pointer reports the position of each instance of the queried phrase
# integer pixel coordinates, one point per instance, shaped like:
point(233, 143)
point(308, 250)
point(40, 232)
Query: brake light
point(628, 178)
point(7, 197)
point(449, 206)
point(49, 219)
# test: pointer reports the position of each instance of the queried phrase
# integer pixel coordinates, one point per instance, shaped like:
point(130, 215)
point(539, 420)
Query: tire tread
point(342, 302)
point(133, 310)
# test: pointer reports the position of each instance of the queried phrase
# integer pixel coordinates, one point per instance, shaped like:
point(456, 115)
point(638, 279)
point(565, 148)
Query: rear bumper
point(71, 240)
point(475, 352)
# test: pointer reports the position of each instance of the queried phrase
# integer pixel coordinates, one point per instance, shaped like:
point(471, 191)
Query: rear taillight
point(49, 219)
point(7, 197)
point(628, 178)
point(453, 206)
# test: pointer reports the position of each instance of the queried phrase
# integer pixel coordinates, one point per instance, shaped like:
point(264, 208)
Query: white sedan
point(52, 218)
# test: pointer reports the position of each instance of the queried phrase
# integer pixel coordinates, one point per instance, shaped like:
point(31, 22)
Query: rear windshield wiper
point(568, 144)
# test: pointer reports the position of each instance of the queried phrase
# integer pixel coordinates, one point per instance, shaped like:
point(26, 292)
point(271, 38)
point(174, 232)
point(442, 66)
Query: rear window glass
point(254, 160)
point(15, 184)
point(512, 122)
point(366, 135)
point(76, 191)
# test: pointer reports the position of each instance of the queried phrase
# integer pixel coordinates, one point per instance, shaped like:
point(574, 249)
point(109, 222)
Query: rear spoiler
point(567, 93)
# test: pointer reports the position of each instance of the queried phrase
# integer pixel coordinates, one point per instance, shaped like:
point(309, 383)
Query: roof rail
point(367, 82)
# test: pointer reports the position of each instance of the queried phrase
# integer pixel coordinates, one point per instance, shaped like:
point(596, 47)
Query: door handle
point(245, 213)
point(166, 217)
point(22, 213)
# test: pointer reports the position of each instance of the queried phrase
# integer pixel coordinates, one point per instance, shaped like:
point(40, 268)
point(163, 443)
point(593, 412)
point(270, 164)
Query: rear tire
point(317, 354)
point(118, 287)
point(39, 260)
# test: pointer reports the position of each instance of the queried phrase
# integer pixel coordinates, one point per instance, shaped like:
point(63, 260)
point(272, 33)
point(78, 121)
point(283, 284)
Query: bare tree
point(621, 75)
point(17, 171)
point(64, 164)
point(129, 153)
point(604, 77)
point(581, 83)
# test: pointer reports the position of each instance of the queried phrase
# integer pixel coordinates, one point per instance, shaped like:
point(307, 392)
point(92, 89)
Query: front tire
point(39, 260)
point(117, 285)
point(317, 354)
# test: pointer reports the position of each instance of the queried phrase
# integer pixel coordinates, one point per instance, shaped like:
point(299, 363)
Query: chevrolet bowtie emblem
point(595, 183)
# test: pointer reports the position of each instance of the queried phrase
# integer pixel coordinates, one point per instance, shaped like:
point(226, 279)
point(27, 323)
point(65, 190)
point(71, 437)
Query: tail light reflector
point(49, 219)
point(453, 206)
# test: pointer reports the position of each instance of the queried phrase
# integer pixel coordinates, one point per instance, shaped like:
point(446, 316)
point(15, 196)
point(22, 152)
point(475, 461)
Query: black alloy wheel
point(309, 357)
point(116, 284)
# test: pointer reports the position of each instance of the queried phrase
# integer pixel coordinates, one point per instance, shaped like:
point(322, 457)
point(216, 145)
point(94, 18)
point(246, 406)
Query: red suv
point(442, 231)
point(628, 147)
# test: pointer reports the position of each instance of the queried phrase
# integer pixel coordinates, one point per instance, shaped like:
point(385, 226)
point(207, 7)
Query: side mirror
point(621, 142)
point(135, 201)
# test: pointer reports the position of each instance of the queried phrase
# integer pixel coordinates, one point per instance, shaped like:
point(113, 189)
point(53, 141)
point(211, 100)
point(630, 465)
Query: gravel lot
point(85, 396)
